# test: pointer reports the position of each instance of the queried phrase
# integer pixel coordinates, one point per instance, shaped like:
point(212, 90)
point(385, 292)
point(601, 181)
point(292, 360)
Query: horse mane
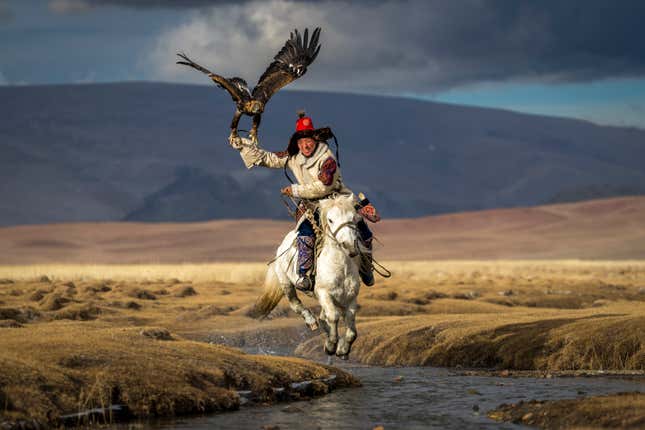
point(344, 202)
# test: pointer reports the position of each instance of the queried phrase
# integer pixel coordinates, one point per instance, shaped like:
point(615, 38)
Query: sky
point(565, 58)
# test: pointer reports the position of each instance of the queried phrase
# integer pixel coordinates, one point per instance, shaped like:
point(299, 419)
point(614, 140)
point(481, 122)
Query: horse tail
point(270, 297)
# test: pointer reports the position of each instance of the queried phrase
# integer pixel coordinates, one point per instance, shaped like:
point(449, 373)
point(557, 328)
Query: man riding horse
point(318, 177)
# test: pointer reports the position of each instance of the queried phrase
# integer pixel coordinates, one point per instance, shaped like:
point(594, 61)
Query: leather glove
point(235, 142)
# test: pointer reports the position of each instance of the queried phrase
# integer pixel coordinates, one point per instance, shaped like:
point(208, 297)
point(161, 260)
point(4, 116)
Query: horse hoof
point(343, 356)
point(330, 351)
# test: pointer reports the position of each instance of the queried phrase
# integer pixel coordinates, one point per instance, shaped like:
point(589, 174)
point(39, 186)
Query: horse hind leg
point(345, 343)
point(299, 308)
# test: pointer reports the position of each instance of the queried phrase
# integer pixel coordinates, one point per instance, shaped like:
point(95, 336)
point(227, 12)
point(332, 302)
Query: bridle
point(349, 224)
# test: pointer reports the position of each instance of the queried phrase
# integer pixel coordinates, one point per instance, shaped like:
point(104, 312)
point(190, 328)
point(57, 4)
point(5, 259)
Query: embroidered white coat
point(314, 181)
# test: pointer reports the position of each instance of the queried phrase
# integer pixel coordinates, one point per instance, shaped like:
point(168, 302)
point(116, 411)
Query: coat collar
point(310, 161)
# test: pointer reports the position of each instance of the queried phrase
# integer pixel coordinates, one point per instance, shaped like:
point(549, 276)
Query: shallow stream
point(408, 398)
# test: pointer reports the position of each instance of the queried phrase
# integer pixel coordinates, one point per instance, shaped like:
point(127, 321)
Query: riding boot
point(305, 245)
point(366, 270)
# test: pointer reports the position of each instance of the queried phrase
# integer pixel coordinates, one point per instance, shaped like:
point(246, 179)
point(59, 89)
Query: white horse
point(337, 281)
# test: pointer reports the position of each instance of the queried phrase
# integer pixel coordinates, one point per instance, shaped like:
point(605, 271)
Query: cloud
point(3, 80)
point(6, 15)
point(416, 45)
point(66, 7)
point(179, 4)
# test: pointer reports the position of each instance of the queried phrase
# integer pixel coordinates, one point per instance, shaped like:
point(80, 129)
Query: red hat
point(304, 122)
point(305, 128)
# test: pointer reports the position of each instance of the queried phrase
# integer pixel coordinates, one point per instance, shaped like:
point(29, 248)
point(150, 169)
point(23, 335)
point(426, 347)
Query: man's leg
point(366, 269)
point(306, 242)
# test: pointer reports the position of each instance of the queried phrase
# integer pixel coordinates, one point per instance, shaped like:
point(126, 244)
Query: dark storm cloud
point(6, 15)
point(140, 4)
point(415, 45)
point(433, 45)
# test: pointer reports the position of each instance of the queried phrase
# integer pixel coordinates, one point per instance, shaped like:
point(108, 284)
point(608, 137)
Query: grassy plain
point(151, 336)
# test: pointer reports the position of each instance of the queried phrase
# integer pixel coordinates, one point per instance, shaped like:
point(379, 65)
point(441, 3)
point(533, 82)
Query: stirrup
point(305, 284)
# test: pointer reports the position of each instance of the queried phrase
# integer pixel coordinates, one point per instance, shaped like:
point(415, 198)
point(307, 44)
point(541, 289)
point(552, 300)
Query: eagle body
point(289, 64)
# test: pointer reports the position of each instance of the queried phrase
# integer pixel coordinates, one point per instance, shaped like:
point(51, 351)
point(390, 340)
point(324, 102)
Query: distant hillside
point(611, 229)
point(158, 152)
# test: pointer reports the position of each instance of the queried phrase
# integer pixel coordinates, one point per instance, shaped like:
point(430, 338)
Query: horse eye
point(331, 221)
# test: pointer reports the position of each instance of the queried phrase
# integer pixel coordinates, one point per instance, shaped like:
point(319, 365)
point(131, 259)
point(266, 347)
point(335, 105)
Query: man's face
point(307, 146)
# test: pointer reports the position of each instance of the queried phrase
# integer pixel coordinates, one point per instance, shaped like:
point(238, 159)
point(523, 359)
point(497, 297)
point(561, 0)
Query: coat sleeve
point(327, 181)
point(252, 155)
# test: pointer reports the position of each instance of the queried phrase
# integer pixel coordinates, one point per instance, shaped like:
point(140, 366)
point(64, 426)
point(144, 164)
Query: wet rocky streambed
point(407, 398)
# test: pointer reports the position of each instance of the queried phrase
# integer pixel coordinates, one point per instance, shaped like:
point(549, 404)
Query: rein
point(376, 266)
point(325, 232)
point(333, 234)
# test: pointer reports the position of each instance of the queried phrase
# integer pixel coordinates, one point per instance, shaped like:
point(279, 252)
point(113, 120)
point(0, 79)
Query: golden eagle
point(288, 65)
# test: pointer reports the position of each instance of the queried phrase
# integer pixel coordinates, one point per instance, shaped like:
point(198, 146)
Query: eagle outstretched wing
point(288, 65)
point(236, 87)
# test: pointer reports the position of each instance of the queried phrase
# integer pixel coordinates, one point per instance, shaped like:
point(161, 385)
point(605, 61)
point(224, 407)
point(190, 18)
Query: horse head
point(339, 218)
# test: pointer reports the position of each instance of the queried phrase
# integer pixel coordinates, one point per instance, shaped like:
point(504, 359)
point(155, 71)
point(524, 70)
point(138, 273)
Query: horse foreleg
point(331, 317)
point(299, 308)
point(345, 343)
point(322, 320)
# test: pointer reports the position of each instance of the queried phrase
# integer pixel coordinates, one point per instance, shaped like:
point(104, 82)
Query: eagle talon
point(234, 140)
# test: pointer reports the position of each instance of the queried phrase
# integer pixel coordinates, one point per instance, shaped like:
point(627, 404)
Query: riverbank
point(624, 411)
point(70, 346)
point(408, 398)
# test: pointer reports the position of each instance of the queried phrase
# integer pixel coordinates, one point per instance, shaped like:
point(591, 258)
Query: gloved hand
point(369, 213)
point(235, 141)
point(238, 142)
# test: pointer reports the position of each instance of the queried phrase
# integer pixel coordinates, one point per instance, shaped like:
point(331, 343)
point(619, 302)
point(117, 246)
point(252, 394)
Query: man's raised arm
point(252, 155)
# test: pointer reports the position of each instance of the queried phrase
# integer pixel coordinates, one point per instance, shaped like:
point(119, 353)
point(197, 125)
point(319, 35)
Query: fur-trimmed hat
point(305, 128)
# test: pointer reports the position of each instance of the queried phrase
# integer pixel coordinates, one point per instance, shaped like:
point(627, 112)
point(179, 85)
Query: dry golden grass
point(216, 272)
point(71, 335)
point(70, 345)
point(624, 411)
point(518, 338)
point(555, 315)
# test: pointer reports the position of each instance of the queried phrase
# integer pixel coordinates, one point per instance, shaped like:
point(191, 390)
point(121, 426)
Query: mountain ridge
point(115, 151)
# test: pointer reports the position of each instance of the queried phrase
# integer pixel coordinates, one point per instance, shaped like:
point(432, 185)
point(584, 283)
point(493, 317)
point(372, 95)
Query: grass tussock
point(150, 371)
point(625, 411)
point(72, 346)
point(559, 315)
point(612, 338)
